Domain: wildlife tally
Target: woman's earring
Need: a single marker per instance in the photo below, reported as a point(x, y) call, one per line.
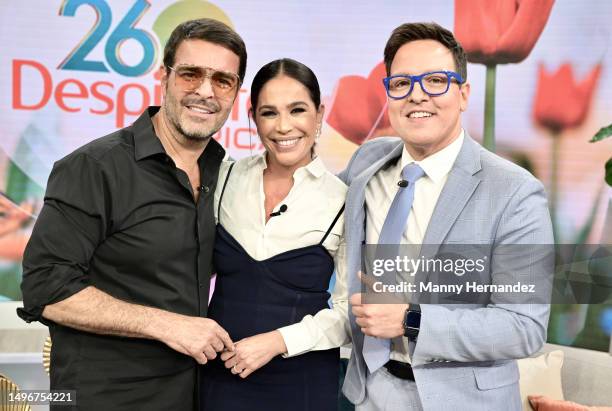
point(318, 133)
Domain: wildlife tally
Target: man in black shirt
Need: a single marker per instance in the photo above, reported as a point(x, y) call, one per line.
point(119, 260)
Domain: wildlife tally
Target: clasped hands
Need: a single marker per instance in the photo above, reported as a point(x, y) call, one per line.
point(252, 353)
point(204, 338)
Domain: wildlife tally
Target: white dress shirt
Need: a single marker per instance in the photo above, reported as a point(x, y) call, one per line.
point(312, 204)
point(381, 190)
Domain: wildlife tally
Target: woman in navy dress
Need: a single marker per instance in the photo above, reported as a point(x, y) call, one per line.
point(279, 236)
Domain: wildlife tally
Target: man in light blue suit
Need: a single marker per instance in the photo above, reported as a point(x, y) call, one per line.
point(437, 186)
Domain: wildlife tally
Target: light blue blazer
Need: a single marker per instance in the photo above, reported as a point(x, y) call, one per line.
point(465, 355)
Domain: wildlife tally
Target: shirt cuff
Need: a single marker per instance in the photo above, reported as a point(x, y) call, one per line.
point(30, 315)
point(296, 339)
point(43, 287)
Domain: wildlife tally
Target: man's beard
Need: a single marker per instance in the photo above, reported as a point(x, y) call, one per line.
point(193, 136)
point(172, 114)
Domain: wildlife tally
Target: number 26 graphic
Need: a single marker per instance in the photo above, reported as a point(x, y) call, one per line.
point(125, 30)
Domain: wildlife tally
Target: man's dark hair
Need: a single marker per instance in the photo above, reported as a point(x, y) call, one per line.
point(425, 31)
point(209, 30)
point(290, 68)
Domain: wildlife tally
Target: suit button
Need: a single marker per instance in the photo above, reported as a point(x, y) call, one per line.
point(206, 189)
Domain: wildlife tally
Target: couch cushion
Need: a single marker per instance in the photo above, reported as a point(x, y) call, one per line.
point(585, 375)
point(541, 375)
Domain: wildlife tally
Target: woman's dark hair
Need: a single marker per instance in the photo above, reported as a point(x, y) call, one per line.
point(289, 68)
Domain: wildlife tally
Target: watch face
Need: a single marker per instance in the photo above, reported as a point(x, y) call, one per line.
point(413, 319)
point(412, 323)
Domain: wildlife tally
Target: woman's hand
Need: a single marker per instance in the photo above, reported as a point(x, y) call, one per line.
point(254, 352)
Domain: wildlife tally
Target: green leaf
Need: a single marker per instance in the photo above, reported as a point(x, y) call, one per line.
point(609, 172)
point(604, 132)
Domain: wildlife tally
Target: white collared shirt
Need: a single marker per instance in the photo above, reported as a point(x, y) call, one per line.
point(312, 204)
point(381, 190)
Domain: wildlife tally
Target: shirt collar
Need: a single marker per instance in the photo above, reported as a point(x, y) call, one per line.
point(439, 164)
point(146, 143)
point(259, 161)
point(316, 168)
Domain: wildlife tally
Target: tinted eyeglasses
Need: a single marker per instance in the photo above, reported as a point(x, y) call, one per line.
point(190, 78)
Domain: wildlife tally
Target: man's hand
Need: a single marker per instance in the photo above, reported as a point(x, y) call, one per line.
point(377, 320)
point(200, 338)
point(254, 352)
point(93, 310)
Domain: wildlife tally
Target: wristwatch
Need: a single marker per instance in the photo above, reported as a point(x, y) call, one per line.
point(412, 321)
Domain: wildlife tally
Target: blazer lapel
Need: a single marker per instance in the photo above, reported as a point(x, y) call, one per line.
point(355, 206)
point(356, 193)
point(355, 234)
point(457, 191)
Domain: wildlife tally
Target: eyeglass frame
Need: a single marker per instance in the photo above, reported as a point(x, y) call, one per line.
point(206, 75)
point(417, 79)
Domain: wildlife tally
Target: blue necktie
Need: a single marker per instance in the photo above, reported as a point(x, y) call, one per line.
point(376, 350)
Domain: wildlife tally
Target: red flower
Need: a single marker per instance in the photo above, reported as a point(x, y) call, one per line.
point(358, 111)
point(500, 31)
point(560, 101)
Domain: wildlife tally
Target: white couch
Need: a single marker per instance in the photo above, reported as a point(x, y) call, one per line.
point(586, 375)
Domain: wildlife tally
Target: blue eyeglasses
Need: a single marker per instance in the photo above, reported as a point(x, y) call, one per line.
point(434, 83)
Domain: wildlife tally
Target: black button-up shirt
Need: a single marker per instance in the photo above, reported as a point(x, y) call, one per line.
point(118, 215)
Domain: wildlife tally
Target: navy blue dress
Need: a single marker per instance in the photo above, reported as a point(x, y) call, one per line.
point(253, 297)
